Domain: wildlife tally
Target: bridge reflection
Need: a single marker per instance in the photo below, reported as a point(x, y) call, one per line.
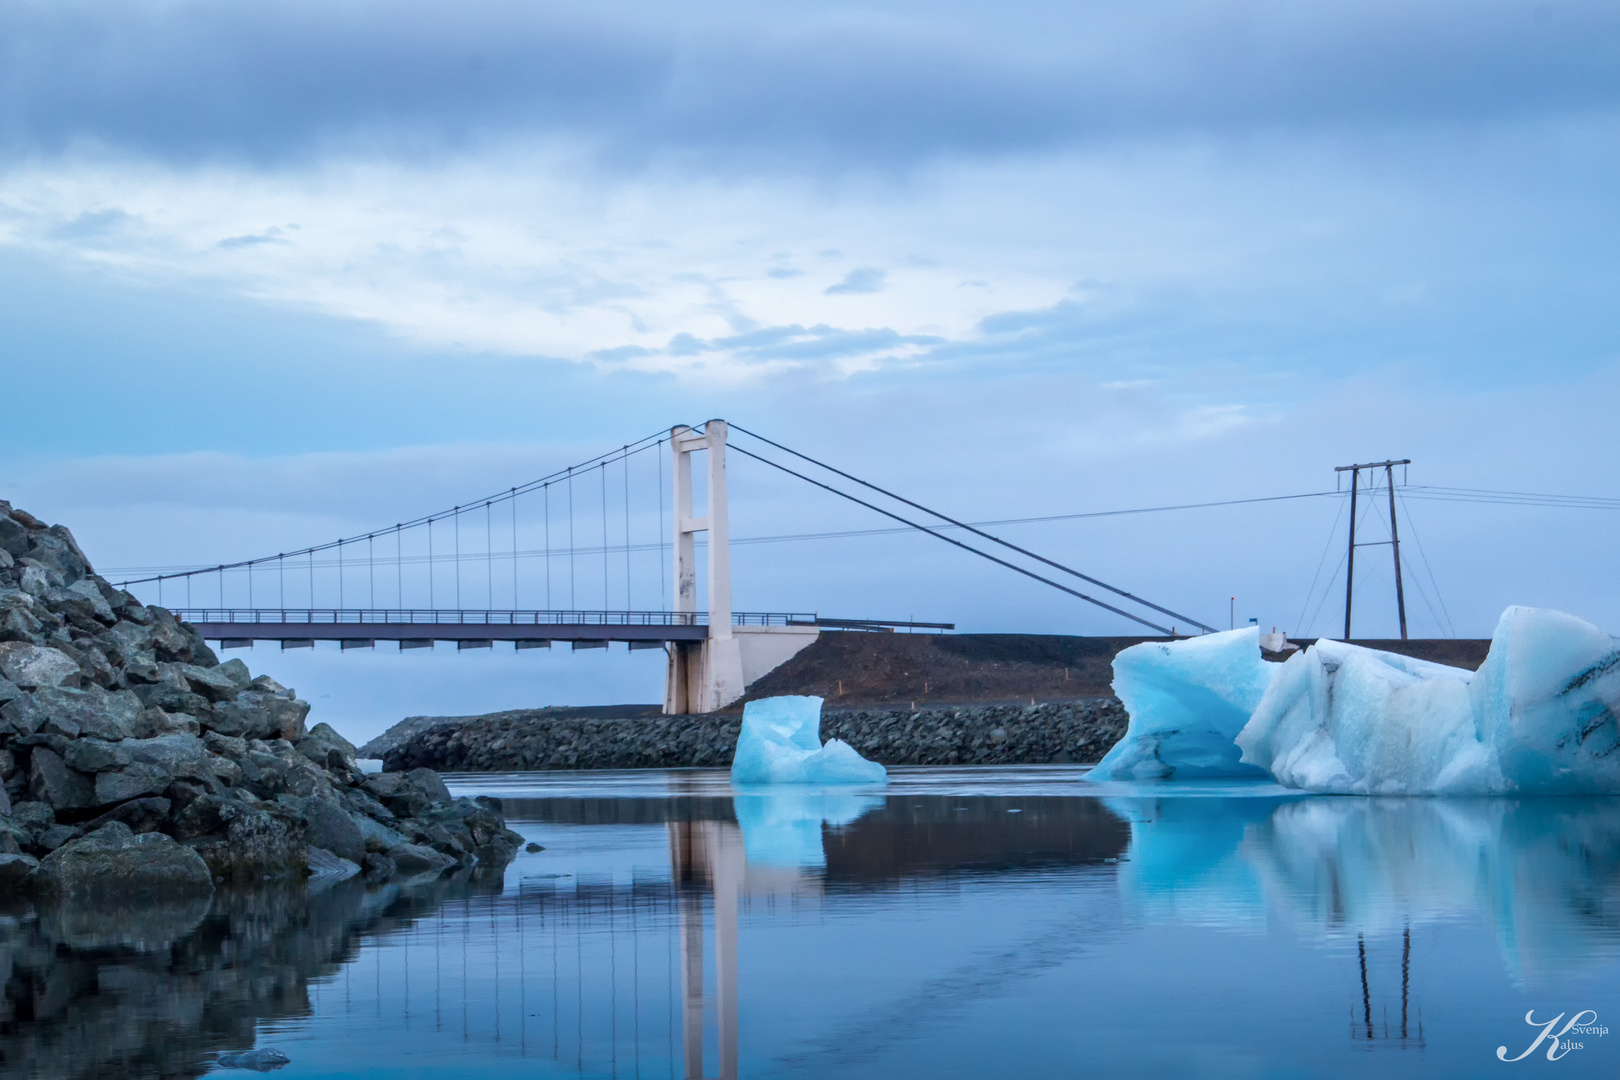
point(653, 930)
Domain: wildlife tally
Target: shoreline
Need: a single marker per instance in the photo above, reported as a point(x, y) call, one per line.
point(1071, 732)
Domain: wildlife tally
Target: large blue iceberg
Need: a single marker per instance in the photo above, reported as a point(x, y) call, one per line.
point(1537, 718)
point(780, 743)
point(1187, 700)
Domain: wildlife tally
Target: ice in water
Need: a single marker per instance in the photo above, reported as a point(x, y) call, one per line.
point(1187, 700)
point(1343, 718)
point(780, 743)
point(1537, 718)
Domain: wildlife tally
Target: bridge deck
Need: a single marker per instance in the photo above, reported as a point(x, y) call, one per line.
point(351, 624)
point(356, 625)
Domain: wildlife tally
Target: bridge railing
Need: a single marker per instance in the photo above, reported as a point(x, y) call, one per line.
point(443, 617)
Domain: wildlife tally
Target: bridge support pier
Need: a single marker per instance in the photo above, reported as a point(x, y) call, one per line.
point(707, 675)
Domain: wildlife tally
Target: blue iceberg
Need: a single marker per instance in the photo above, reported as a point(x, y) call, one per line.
point(1187, 700)
point(1539, 717)
point(780, 743)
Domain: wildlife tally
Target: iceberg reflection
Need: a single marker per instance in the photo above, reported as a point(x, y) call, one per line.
point(783, 828)
point(1543, 873)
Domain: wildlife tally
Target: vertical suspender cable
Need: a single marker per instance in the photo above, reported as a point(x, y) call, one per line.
point(312, 579)
point(431, 605)
point(250, 583)
point(489, 559)
point(371, 571)
point(605, 604)
point(625, 461)
point(572, 605)
point(514, 551)
point(457, 518)
point(281, 579)
point(663, 584)
point(399, 569)
point(340, 575)
point(546, 491)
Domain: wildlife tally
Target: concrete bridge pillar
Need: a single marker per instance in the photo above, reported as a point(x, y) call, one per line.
point(707, 675)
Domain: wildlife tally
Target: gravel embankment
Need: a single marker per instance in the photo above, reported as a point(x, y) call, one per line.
point(1073, 731)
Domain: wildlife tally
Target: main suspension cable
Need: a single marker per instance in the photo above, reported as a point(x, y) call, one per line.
point(978, 532)
point(951, 540)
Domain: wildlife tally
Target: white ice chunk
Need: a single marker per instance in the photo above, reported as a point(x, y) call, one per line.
point(780, 743)
point(1343, 718)
point(1186, 700)
point(1538, 717)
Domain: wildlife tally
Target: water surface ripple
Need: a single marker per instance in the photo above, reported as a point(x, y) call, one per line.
point(960, 922)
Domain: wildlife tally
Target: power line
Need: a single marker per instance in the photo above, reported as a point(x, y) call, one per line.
point(177, 570)
point(1512, 498)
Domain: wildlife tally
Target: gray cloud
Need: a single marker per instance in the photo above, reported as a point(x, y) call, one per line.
point(737, 87)
point(863, 279)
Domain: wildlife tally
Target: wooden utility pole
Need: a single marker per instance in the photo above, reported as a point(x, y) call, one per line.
point(1394, 539)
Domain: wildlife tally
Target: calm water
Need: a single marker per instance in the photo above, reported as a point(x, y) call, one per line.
point(962, 922)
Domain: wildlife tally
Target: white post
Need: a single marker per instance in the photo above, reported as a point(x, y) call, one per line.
point(719, 535)
point(680, 439)
point(709, 677)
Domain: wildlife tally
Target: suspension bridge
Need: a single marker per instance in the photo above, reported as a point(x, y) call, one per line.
point(605, 552)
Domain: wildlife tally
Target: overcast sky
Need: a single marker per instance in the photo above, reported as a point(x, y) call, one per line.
point(275, 272)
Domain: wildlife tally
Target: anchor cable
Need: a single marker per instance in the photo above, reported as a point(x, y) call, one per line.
point(979, 532)
point(951, 540)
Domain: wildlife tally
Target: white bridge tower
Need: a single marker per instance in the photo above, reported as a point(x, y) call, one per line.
point(711, 674)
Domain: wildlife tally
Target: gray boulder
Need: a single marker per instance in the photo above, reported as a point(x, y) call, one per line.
point(95, 755)
point(13, 536)
point(34, 666)
point(131, 782)
point(331, 827)
point(326, 748)
point(176, 753)
point(171, 693)
point(141, 815)
point(258, 842)
point(114, 861)
point(72, 713)
point(50, 781)
point(14, 871)
point(212, 683)
point(408, 794)
point(9, 691)
point(255, 714)
point(413, 859)
point(237, 672)
point(56, 549)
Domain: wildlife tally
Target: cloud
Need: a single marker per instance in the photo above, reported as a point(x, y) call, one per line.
point(861, 280)
point(731, 87)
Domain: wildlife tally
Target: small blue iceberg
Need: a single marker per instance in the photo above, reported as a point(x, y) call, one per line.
point(781, 743)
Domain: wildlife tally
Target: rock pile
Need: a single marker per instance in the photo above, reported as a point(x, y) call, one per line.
point(134, 762)
point(1072, 731)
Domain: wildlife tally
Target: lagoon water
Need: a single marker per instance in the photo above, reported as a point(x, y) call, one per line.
point(1005, 922)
